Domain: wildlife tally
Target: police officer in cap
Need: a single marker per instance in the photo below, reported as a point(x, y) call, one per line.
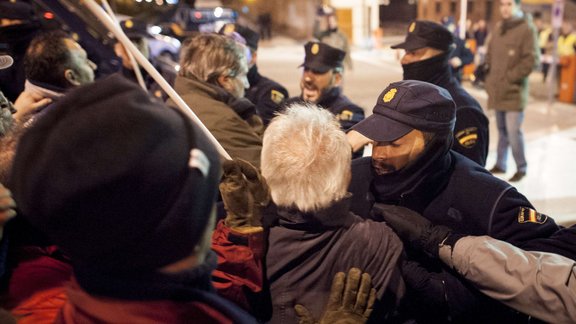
point(428, 46)
point(412, 166)
point(266, 94)
point(321, 83)
point(137, 32)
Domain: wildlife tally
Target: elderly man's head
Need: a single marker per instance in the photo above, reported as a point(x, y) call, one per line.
point(306, 158)
point(57, 60)
point(215, 59)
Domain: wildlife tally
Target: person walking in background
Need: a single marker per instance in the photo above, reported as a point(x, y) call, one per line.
point(512, 55)
point(326, 31)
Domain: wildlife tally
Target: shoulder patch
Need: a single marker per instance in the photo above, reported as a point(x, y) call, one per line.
point(276, 96)
point(529, 215)
point(345, 115)
point(467, 137)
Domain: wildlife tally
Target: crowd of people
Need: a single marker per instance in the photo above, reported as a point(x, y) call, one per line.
point(115, 207)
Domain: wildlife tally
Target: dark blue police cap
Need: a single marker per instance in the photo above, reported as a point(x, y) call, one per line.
point(134, 28)
point(407, 105)
point(423, 33)
point(321, 57)
point(250, 36)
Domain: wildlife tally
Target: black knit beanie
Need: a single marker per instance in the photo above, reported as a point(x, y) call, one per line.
point(120, 182)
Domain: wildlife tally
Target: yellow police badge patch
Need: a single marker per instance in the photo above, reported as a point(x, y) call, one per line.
point(129, 23)
point(345, 115)
point(276, 96)
point(315, 49)
point(412, 27)
point(529, 215)
point(467, 137)
point(390, 95)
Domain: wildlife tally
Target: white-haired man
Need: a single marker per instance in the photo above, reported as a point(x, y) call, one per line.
point(313, 234)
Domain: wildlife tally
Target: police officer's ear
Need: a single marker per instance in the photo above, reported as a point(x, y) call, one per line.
point(337, 77)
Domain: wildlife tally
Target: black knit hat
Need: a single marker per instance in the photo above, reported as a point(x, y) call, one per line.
point(118, 181)
point(407, 105)
point(423, 33)
point(322, 57)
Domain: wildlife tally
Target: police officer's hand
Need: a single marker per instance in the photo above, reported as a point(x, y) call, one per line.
point(351, 300)
point(412, 228)
point(245, 194)
point(427, 290)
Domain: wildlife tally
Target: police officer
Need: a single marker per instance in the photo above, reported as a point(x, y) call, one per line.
point(266, 94)
point(137, 32)
point(428, 46)
point(412, 166)
point(321, 83)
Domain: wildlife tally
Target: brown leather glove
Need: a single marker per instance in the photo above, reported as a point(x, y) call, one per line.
point(351, 300)
point(245, 194)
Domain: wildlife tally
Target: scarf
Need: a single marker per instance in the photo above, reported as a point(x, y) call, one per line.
point(427, 70)
point(415, 185)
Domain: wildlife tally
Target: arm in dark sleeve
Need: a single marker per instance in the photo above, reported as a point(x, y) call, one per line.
point(528, 59)
point(350, 116)
point(271, 102)
point(471, 136)
point(515, 220)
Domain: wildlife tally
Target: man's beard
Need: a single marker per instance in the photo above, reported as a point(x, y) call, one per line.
point(381, 167)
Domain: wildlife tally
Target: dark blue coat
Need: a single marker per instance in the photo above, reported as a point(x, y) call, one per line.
point(348, 113)
point(267, 95)
point(471, 201)
point(471, 136)
point(306, 250)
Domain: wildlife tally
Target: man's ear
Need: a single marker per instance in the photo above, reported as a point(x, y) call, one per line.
point(337, 79)
point(71, 77)
point(224, 81)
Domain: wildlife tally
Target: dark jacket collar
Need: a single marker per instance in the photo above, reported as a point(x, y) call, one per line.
point(254, 76)
point(335, 216)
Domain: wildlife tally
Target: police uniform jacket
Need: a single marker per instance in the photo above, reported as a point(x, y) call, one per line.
point(512, 55)
point(306, 250)
point(266, 94)
point(348, 113)
point(469, 200)
point(471, 136)
point(239, 132)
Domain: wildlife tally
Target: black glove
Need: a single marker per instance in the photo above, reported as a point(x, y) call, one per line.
point(426, 293)
point(347, 304)
point(244, 192)
point(415, 230)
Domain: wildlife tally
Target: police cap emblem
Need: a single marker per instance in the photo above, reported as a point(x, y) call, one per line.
point(315, 49)
point(390, 95)
point(412, 27)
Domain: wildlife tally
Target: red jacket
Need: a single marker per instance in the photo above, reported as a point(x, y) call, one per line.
point(39, 289)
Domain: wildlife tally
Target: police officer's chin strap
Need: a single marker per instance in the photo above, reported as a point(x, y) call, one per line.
point(427, 70)
point(419, 180)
